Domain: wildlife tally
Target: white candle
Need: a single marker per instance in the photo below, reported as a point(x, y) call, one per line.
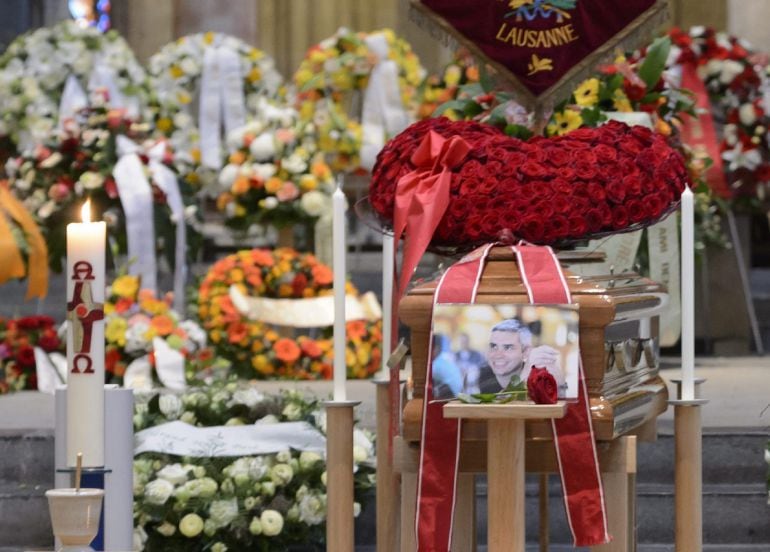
point(387, 299)
point(339, 253)
point(688, 297)
point(86, 243)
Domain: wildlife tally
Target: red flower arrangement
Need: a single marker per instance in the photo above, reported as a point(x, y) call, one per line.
point(546, 190)
point(18, 339)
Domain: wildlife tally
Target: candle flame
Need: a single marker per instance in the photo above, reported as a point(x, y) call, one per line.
point(85, 211)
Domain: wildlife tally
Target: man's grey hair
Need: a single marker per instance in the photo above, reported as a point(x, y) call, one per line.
point(515, 325)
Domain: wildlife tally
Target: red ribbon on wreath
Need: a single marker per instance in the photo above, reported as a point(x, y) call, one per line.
point(422, 198)
point(573, 434)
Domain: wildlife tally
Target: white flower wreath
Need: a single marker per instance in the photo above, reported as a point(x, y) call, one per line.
point(177, 74)
point(36, 66)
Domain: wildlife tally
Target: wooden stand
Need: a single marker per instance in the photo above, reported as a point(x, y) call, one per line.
point(339, 473)
point(505, 465)
point(688, 471)
point(388, 481)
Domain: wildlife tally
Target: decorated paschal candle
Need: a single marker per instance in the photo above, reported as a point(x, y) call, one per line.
point(86, 243)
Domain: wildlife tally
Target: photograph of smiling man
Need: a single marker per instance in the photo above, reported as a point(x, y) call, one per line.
point(508, 340)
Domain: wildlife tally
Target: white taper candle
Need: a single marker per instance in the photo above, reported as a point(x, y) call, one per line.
point(688, 296)
point(339, 254)
point(387, 299)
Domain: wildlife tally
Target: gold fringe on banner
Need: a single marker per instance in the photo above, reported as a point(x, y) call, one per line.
point(637, 34)
point(11, 260)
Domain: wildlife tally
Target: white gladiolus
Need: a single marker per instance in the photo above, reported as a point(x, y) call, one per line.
point(272, 523)
point(158, 491)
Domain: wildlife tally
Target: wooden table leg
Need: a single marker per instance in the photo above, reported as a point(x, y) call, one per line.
point(339, 469)
point(464, 526)
point(688, 482)
point(505, 482)
point(388, 485)
point(408, 511)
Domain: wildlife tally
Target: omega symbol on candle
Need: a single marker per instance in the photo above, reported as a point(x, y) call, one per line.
point(82, 312)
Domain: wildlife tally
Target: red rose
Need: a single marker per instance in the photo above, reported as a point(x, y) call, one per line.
point(298, 284)
point(49, 343)
point(619, 217)
point(616, 191)
point(25, 357)
point(532, 170)
point(541, 386)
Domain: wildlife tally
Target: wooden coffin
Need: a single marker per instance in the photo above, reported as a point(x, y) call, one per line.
point(618, 343)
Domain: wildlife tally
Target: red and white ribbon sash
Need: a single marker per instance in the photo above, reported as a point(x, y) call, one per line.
point(573, 435)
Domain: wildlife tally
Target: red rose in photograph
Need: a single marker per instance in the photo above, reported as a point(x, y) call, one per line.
point(541, 386)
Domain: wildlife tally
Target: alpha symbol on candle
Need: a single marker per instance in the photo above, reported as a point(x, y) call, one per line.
point(82, 312)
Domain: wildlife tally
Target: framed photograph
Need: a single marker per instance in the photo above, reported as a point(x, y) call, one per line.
point(480, 348)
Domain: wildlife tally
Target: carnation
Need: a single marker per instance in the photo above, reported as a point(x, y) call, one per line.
point(281, 474)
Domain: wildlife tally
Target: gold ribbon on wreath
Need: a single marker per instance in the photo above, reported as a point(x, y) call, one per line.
point(11, 260)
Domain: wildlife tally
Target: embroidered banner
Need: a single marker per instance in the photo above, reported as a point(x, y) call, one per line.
point(544, 47)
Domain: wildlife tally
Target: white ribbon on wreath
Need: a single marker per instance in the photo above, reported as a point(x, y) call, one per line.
point(136, 197)
point(383, 112)
point(222, 101)
point(103, 77)
point(169, 366)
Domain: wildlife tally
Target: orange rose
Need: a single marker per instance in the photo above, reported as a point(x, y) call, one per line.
point(356, 329)
point(162, 324)
point(286, 350)
point(310, 348)
point(322, 275)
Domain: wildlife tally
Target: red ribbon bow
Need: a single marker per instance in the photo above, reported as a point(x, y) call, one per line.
point(422, 197)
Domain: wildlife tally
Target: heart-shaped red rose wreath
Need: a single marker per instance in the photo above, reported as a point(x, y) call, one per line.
point(587, 183)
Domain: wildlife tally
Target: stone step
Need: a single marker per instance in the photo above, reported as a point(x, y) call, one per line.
point(24, 520)
point(729, 456)
point(732, 514)
point(28, 456)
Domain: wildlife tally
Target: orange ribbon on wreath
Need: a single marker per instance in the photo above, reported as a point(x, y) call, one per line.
point(11, 260)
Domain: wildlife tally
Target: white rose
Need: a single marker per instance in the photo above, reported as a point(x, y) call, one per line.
point(270, 202)
point(263, 171)
point(166, 529)
point(312, 509)
point(191, 525)
point(189, 65)
point(222, 512)
point(272, 523)
point(173, 473)
point(91, 180)
point(248, 397)
point(205, 487)
point(255, 527)
point(170, 406)
point(269, 419)
point(315, 203)
point(281, 474)
point(227, 176)
point(51, 161)
point(267, 488)
point(262, 148)
point(359, 454)
point(158, 491)
point(294, 164)
point(140, 537)
point(219, 547)
point(46, 210)
point(747, 114)
point(309, 459)
point(283, 457)
point(730, 70)
point(292, 411)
